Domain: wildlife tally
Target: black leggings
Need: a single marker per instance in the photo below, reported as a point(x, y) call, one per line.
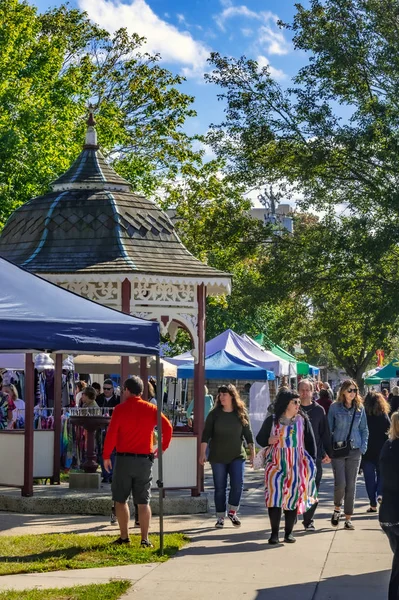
point(275, 518)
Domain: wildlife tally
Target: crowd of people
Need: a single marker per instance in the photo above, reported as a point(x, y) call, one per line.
point(301, 432)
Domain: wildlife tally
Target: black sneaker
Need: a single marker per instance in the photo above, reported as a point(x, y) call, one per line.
point(309, 526)
point(234, 519)
point(349, 525)
point(120, 541)
point(273, 540)
point(146, 544)
point(289, 539)
point(219, 523)
point(335, 518)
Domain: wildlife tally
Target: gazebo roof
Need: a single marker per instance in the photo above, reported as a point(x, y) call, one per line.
point(91, 223)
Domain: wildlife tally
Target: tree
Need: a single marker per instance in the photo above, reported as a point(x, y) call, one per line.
point(346, 302)
point(51, 66)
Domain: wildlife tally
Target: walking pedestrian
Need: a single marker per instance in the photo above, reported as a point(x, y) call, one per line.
point(131, 433)
point(107, 401)
point(327, 386)
point(348, 425)
point(325, 400)
point(290, 469)
point(389, 509)
point(394, 399)
point(377, 411)
point(226, 426)
point(322, 435)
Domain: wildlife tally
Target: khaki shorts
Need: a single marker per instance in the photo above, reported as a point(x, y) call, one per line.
point(132, 474)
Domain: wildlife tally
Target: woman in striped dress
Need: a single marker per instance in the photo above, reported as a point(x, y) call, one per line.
point(289, 464)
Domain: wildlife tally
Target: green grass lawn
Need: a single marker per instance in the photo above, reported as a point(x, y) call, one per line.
point(105, 591)
point(56, 552)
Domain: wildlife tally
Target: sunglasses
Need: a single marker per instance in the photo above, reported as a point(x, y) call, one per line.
point(352, 391)
point(298, 402)
point(107, 389)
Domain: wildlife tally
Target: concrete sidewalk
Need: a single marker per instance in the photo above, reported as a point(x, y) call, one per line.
point(237, 563)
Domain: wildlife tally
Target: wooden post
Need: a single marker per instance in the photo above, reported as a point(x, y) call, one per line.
point(199, 384)
point(57, 418)
point(126, 297)
point(144, 375)
point(27, 489)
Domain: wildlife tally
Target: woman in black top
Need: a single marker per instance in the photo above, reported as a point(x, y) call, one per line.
point(389, 510)
point(377, 410)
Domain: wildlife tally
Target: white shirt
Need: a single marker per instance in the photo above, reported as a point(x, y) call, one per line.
point(19, 410)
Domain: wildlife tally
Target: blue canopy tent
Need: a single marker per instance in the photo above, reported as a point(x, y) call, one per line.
point(36, 315)
point(223, 365)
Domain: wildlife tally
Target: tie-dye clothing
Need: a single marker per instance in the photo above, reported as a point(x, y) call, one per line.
point(289, 470)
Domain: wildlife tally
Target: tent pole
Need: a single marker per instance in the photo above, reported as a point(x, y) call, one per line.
point(27, 489)
point(199, 384)
point(57, 418)
point(144, 375)
point(159, 371)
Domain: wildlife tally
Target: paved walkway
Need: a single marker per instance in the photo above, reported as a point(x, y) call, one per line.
point(238, 563)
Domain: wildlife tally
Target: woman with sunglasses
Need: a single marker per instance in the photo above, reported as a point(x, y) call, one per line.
point(290, 471)
point(226, 426)
point(349, 430)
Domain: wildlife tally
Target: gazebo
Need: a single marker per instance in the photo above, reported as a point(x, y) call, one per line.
point(92, 235)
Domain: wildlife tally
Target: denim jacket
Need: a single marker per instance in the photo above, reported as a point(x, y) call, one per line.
point(339, 420)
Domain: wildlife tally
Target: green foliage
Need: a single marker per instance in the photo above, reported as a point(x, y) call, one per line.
point(51, 66)
point(55, 552)
point(103, 591)
point(331, 139)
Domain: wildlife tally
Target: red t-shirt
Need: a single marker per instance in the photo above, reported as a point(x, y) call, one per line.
point(132, 426)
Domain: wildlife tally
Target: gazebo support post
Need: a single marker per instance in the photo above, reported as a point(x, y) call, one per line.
point(144, 375)
point(57, 418)
point(126, 297)
point(27, 489)
point(199, 384)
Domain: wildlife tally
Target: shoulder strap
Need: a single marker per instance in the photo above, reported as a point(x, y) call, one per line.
point(350, 429)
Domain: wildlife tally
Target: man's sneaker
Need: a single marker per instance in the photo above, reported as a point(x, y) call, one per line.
point(309, 526)
point(335, 518)
point(349, 525)
point(289, 539)
point(146, 544)
point(234, 519)
point(120, 541)
point(113, 518)
point(219, 523)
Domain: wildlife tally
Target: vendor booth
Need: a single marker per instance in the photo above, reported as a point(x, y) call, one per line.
point(38, 316)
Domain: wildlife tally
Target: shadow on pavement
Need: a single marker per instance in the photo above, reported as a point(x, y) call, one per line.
point(368, 586)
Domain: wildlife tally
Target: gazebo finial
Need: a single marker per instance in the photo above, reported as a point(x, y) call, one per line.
point(91, 134)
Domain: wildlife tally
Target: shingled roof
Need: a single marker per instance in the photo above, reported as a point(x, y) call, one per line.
point(91, 222)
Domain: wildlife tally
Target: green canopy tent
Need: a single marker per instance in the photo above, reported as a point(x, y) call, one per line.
point(390, 371)
point(303, 368)
point(374, 380)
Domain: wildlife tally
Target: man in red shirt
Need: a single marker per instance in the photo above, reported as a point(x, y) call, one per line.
point(131, 432)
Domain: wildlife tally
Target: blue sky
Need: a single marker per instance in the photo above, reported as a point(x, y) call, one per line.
point(185, 31)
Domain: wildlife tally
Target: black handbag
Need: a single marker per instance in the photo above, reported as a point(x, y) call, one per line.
point(341, 449)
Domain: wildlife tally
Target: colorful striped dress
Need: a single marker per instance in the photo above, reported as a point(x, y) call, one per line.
point(289, 470)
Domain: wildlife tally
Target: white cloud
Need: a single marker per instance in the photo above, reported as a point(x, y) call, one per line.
point(270, 36)
point(174, 46)
point(277, 74)
point(246, 31)
point(273, 40)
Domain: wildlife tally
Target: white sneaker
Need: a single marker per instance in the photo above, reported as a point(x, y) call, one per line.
point(219, 523)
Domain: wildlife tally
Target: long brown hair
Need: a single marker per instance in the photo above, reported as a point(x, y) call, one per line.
point(238, 405)
point(346, 385)
point(376, 405)
point(393, 433)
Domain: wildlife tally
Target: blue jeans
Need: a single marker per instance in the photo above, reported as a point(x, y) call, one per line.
point(372, 479)
point(220, 471)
